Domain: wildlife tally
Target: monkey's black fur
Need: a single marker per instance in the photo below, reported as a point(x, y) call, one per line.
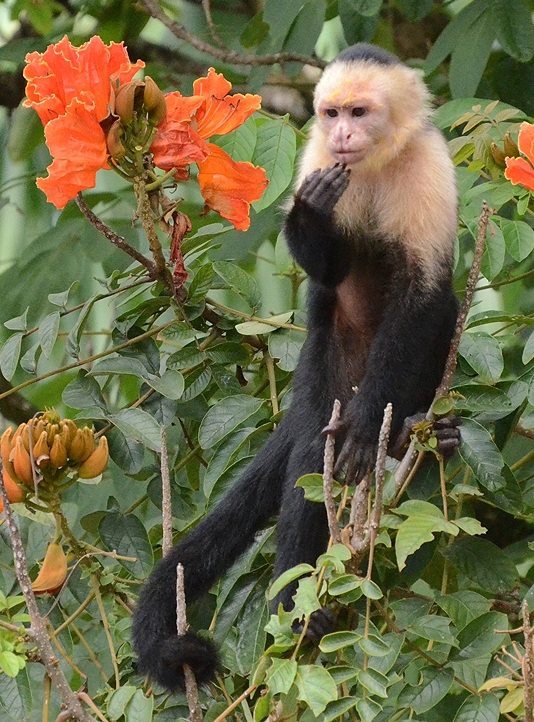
point(390, 339)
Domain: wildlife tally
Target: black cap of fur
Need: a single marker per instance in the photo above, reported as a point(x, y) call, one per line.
point(165, 666)
point(365, 51)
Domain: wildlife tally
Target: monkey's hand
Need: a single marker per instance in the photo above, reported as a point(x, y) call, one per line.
point(320, 623)
point(322, 189)
point(447, 435)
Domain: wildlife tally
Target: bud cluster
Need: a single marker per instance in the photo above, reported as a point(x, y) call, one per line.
point(138, 108)
point(56, 444)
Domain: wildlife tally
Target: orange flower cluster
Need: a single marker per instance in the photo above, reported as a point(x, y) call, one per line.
point(74, 90)
point(56, 444)
point(71, 89)
point(518, 171)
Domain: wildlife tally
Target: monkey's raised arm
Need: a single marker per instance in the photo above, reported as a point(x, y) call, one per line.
point(323, 252)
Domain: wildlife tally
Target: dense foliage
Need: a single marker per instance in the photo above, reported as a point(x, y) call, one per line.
point(433, 629)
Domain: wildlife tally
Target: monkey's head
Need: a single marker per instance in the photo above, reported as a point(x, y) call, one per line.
point(368, 106)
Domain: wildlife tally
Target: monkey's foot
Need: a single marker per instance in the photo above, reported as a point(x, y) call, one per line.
point(322, 189)
point(448, 435)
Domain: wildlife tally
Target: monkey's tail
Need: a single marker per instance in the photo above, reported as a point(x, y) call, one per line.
point(206, 553)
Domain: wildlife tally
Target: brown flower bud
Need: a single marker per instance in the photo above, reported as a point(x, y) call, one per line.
point(128, 98)
point(21, 462)
point(58, 453)
point(37, 429)
point(89, 441)
point(77, 447)
point(41, 452)
point(15, 493)
point(97, 462)
point(113, 140)
point(498, 155)
point(72, 428)
point(52, 430)
point(6, 445)
point(510, 147)
point(53, 572)
point(154, 102)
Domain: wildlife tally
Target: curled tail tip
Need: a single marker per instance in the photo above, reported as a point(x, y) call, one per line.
point(164, 663)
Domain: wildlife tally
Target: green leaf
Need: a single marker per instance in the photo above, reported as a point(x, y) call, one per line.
point(519, 238)
point(139, 708)
point(119, 699)
point(9, 355)
point(479, 452)
point(136, 424)
point(368, 709)
point(338, 640)
point(240, 143)
point(60, 299)
point(19, 323)
point(315, 686)
point(120, 366)
point(462, 607)
point(494, 252)
point(416, 10)
point(195, 383)
point(435, 628)
point(483, 353)
point(478, 638)
point(82, 392)
point(281, 675)
point(470, 526)
point(285, 345)
point(470, 56)
point(229, 352)
point(374, 682)
point(72, 344)
point(9, 663)
point(252, 634)
point(343, 584)
point(128, 454)
point(16, 696)
point(367, 7)
point(513, 28)
point(305, 598)
point(482, 562)
point(239, 281)
point(48, 330)
point(224, 417)
point(126, 535)
point(374, 646)
point(287, 577)
point(201, 283)
point(275, 152)
point(313, 486)
point(415, 531)
point(528, 351)
point(170, 384)
point(434, 686)
point(479, 708)
point(371, 590)
point(257, 327)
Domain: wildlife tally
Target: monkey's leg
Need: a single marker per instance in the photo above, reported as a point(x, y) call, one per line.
point(206, 553)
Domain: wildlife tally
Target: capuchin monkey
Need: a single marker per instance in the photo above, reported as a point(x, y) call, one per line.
point(373, 223)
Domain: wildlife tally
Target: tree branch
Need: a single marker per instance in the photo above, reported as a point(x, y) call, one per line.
point(328, 474)
point(227, 56)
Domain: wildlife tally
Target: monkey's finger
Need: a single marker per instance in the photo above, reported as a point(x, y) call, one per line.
point(447, 422)
point(320, 623)
point(333, 428)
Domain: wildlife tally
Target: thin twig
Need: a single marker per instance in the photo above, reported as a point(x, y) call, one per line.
point(450, 366)
point(227, 56)
point(191, 689)
point(269, 363)
point(107, 629)
point(37, 630)
point(528, 664)
point(236, 702)
point(328, 474)
point(380, 476)
point(211, 25)
point(166, 503)
point(114, 238)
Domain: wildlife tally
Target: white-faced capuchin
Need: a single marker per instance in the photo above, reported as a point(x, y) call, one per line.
point(373, 223)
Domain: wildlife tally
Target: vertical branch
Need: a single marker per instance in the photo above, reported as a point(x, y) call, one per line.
point(191, 689)
point(380, 476)
point(328, 474)
point(528, 664)
point(450, 366)
point(166, 503)
point(358, 514)
point(269, 363)
point(37, 630)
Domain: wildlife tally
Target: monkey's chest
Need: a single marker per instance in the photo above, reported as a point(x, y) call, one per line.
point(361, 300)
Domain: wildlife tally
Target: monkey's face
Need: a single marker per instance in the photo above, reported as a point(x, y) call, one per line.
point(353, 128)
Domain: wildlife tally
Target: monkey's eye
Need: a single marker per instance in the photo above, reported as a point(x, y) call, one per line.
point(358, 112)
point(332, 113)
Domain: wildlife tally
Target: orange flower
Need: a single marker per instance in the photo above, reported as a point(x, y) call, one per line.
point(71, 90)
point(229, 187)
point(64, 72)
point(220, 114)
point(518, 171)
point(176, 143)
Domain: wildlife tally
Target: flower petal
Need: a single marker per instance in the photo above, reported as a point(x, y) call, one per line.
point(78, 145)
point(53, 572)
point(519, 172)
point(176, 143)
point(526, 140)
point(220, 114)
point(229, 187)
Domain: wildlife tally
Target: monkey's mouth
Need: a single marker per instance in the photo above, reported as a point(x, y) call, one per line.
point(348, 156)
